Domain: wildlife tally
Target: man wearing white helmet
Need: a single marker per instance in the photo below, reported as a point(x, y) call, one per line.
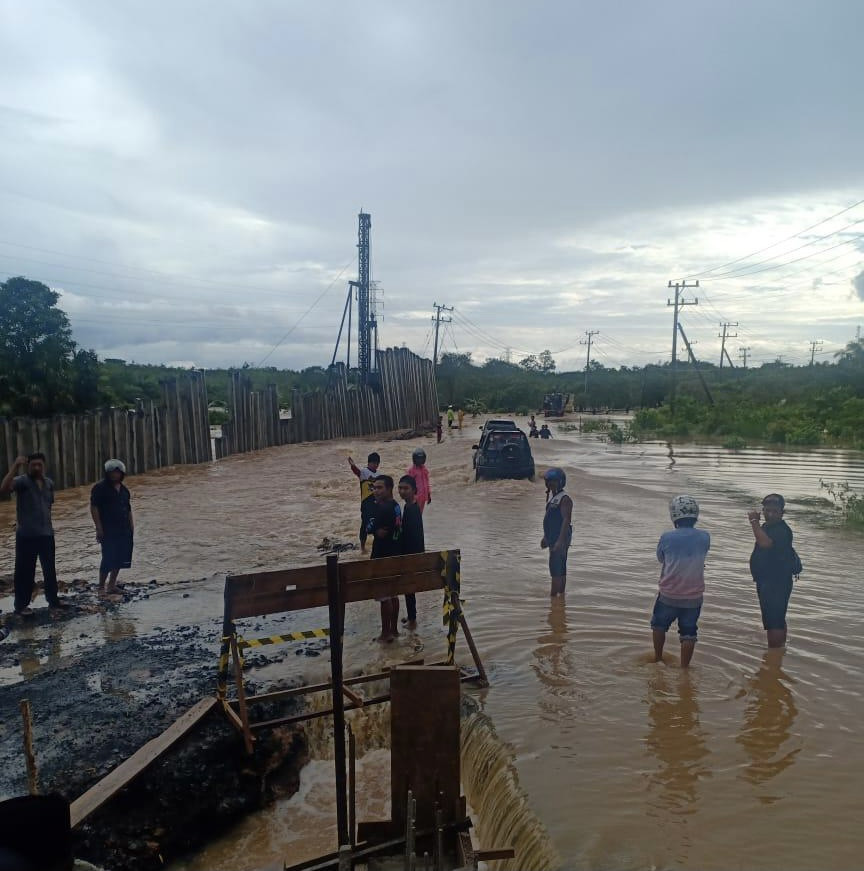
point(111, 510)
point(681, 553)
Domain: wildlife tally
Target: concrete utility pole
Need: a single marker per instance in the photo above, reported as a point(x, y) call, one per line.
point(726, 335)
point(814, 344)
point(695, 363)
point(679, 287)
point(438, 320)
point(590, 334)
point(742, 352)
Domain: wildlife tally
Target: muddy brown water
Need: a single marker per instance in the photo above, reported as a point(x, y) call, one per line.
point(748, 761)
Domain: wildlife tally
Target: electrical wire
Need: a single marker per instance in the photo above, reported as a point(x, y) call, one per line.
point(775, 244)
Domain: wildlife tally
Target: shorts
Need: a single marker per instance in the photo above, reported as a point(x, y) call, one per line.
point(116, 551)
point(773, 602)
point(558, 563)
point(665, 615)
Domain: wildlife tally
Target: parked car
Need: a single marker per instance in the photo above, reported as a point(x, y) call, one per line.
point(503, 453)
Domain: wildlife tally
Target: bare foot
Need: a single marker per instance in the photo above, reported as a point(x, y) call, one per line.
point(410, 624)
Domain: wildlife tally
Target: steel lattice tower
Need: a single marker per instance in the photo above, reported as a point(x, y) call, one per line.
point(365, 317)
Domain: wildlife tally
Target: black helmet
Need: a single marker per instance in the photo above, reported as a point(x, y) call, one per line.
point(419, 456)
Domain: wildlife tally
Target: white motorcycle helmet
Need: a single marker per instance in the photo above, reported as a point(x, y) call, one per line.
point(683, 506)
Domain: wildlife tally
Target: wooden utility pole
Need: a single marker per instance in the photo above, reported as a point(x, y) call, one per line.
point(696, 365)
point(590, 334)
point(438, 320)
point(679, 287)
point(814, 344)
point(725, 334)
point(742, 353)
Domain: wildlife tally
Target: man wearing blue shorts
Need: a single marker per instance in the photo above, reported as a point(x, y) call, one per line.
point(681, 553)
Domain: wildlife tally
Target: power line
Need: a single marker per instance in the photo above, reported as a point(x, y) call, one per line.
point(307, 312)
point(775, 244)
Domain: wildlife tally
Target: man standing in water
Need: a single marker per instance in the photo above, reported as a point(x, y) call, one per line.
point(557, 528)
point(450, 417)
point(111, 510)
point(367, 498)
point(412, 537)
point(34, 534)
point(772, 565)
point(681, 553)
point(385, 528)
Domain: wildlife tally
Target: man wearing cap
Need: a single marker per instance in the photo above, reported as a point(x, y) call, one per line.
point(111, 510)
point(34, 533)
point(557, 528)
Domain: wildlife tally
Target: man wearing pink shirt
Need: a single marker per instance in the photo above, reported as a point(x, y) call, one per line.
point(420, 474)
point(681, 553)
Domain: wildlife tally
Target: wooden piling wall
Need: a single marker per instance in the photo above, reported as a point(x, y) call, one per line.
point(150, 436)
point(401, 395)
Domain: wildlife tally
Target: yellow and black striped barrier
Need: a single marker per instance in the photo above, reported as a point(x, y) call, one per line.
point(243, 643)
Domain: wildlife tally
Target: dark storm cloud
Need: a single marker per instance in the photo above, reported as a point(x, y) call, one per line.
point(522, 161)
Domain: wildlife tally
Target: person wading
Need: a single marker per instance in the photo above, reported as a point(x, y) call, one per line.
point(367, 497)
point(412, 537)
point(111, 510)
point(420, 473)
point(34, 533)
point(385, 528)
point(557, 528)
point(772, 565)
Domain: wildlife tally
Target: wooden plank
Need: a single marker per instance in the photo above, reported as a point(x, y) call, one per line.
point(361, 570)
point(491, 855)
point(276, 582)
point(128, 770)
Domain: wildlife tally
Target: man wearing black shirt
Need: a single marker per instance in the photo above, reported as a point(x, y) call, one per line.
point(412, 537)
point(385, 527)
point(111, 510)
point(772, 566)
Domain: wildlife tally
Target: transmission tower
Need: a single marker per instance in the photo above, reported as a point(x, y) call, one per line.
point(438, 320)
point(679, 287)
point(590, 334)
point(366, 323)
point(725, 334)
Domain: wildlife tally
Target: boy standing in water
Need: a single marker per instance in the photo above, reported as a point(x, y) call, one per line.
point(772, 564)
point(557, 528)
point(681, 553)
point(385, 527)
point(367, 498)
point(420, 474)
point(412, 537)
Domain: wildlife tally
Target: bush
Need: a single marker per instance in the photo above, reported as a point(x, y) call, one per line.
point(735, 443)
point(850, 503)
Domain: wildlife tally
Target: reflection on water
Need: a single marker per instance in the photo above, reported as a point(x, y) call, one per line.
point(766, 733)
point(676, 739)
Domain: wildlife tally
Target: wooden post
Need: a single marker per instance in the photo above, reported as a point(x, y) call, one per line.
point(29, 755)
point(334, 597)
point(352, 786)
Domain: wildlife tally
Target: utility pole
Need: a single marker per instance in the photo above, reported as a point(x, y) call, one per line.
point(438, 320)
point(590, 334)
point(814, 344)
point(742, 352)
point(695, 363)
point(679, 287)
point(726, 335)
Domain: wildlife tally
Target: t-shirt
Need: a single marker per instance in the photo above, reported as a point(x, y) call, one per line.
point(33, 506)
point(412, 529)
point(553, 519)
point(420, 474)
point(115, 506)
point(385, 515)
point(773, 564)
point(682, 553)
point(366, 476)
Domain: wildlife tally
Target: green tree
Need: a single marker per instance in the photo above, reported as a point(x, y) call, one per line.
point(530, 363)
point(36, 349)
point(545, 361)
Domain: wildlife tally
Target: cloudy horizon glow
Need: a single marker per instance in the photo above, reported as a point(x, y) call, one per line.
point(188, 176)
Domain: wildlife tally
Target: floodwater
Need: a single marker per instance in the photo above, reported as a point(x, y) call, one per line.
point(749, 760)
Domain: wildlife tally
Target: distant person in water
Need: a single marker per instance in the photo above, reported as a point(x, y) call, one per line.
point(412, 537)
point(439, 428)
point(681, 553)
point(545, 432)
point(557, 528)
point(420, 473)
point(385, 527)
point(111, 510)
point(772, 565)
point(367, 497)
point(460, 415)
point(533, 432)
point(450, 417)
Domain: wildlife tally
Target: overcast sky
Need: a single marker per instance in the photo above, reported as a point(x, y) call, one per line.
point(188, 174)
